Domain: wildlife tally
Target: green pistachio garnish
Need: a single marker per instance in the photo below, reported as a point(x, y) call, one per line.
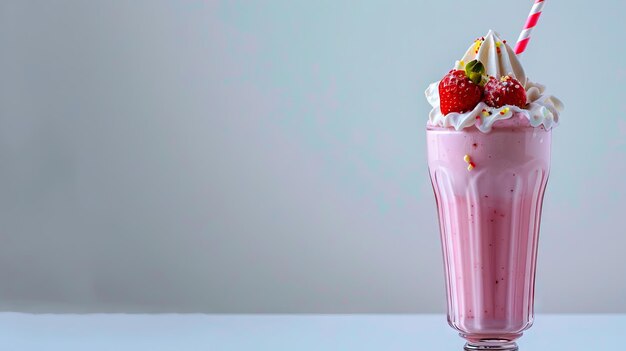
point(475, 71)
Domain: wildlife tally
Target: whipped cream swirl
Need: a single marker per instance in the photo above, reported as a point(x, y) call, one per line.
point(499, 60)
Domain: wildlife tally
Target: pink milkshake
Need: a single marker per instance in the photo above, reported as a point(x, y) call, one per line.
point(489, 165)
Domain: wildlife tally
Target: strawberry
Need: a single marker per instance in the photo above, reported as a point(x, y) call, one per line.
point(459, 91)
point(506, 91)
point(489, 90)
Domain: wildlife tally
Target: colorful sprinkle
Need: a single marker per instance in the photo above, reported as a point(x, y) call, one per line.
point(477, 44)
point(470, 164)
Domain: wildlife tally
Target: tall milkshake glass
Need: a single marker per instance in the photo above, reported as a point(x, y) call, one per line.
point(488, 136)
point(489, 215)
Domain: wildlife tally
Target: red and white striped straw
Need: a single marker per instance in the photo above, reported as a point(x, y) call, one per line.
point(531, 22)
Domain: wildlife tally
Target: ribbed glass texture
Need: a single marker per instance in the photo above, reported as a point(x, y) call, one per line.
point(489, 222)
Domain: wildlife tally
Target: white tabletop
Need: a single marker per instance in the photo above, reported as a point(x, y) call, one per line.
point(97, 332)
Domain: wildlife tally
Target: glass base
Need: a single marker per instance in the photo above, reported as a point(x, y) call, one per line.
point(491, 345)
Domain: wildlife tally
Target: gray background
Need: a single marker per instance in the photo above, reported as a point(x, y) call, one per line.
point(269, 156)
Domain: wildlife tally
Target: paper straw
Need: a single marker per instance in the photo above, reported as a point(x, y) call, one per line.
point(531, 22)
